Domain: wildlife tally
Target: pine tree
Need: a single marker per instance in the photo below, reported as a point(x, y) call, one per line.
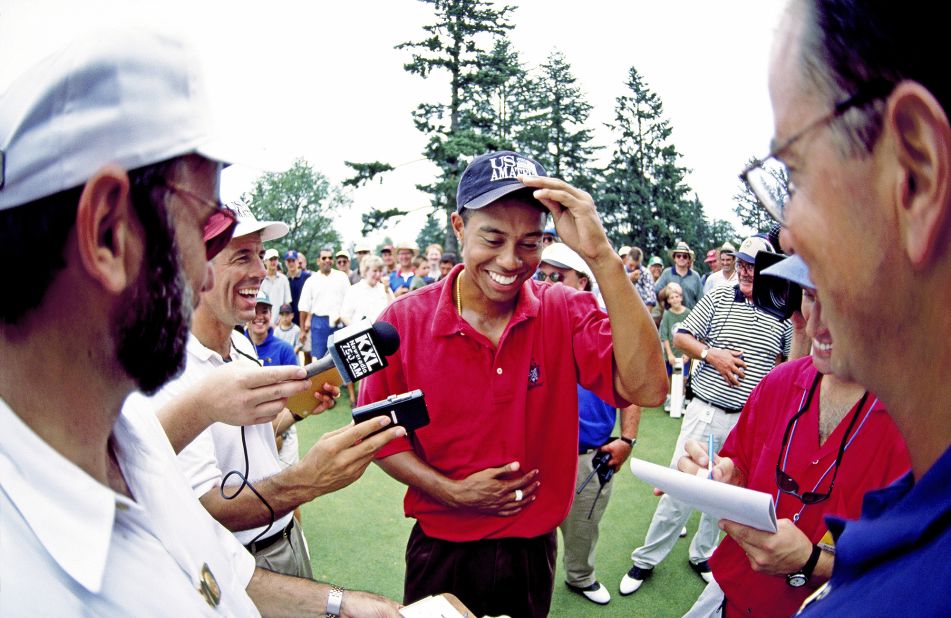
point(554, 123)
point(456, 45)
point(642, 195)
point(751, 213)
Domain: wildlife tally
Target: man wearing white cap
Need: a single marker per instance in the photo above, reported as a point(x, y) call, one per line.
point(738, 343)
point(262, 517)
point(106, 163)
point(560, 264)
point(275, 284)
point(726, 275)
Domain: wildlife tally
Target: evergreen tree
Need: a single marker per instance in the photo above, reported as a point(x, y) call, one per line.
point(305, 200)
point(751, 213)
point(554, 123)
point(473, 118)
point(642, 194)
point(432, 232)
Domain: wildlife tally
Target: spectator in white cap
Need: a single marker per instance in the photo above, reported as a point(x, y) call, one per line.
point(596, 423)
point(108, 164)
point(738, 343)
point(726, 275)
point(275, 283)
point(261, 519)
point(342, 259)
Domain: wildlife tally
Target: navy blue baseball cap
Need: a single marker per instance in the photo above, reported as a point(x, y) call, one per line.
point(492, 176)
point(290, 255)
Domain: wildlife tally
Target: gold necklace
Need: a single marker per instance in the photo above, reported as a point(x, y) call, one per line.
point(459, 291)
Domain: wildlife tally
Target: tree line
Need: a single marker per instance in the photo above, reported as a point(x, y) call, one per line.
point(493, 102)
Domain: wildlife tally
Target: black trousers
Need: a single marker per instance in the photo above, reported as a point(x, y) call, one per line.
point(511, 576)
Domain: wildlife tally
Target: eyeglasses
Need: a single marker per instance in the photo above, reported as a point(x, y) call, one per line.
point(744, 266)
point(681, 255)
point(788, 484)
point(547, 240)
point(325, 258)
point(554, 277)
point(220, 225)
point(762, 182)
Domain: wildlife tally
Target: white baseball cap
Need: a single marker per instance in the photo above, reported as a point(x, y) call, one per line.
point(249, 224)
point(130, 97)
point(560, 255)
point(750, 247)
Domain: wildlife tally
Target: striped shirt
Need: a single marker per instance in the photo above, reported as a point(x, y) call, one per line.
point(725, 319)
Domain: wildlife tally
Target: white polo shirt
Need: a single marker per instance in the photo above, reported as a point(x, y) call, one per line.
point(217, 450)
point(70, 546)
point(278, 290)
point(323, 294)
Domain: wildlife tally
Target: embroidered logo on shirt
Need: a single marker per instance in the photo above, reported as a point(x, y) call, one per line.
point(534, 374)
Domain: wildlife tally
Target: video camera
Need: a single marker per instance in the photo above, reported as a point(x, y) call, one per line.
point(778, 297)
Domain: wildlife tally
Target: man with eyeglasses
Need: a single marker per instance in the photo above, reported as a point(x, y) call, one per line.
point(107, 162)
point(681, 272)
point(321, 300)
point(343, 265)
point(738, 345)
point(580, 530)
point(860, 96)
point(816, 443)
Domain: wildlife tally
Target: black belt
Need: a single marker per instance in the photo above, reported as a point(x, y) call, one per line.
point(271, 540)
point(715, 405)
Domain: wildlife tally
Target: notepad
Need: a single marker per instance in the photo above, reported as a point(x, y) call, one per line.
point(721, 500)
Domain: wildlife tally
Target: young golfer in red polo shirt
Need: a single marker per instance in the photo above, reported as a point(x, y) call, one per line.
point(498, 356)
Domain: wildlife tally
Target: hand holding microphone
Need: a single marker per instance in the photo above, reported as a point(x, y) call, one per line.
point(353, 353)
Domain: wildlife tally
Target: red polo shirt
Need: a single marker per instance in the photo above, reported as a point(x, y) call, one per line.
point(876, 457)
point(491, 406)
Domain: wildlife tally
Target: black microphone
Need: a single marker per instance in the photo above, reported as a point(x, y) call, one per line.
point(353, 353)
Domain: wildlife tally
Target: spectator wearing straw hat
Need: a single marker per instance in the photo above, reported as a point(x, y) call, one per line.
point(402, 276)
point(681, 273)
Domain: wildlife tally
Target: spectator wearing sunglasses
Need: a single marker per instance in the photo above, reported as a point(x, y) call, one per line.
point(580, 530)
point(682, 273)
point(816, 443)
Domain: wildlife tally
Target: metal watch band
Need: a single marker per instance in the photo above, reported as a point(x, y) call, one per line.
point(334, 601)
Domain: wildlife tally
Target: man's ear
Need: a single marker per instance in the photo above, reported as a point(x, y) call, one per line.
point(107, 231)
point(922, 137)
point(455, 219)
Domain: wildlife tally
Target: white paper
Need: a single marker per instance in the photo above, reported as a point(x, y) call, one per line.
point(431, 607)
point(720, 500)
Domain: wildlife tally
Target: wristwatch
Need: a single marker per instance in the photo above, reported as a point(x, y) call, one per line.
point(800, 577)
point(334, 601)
point(703, 353)
point(630, 441)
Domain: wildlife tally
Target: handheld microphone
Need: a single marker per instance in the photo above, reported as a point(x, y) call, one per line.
point(353, 353)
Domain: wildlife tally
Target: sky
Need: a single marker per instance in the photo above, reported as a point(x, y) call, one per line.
point(322, 80)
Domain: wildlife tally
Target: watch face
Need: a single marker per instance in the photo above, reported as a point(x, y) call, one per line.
point(796, 580)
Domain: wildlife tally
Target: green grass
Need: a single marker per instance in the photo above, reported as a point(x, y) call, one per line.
point(357, 535)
